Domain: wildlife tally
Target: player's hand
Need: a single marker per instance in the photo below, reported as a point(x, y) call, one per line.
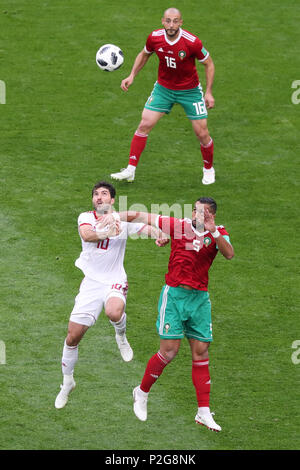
point(209, 100)
point(105, 219)
point(209, 221)
point(125, 84)
point(114, 229)
point(162, 241)
point(106, 229)
point(199, 217)
point(101, 228)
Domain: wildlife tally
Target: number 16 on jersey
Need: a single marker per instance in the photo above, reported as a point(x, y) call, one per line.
point(171, 62)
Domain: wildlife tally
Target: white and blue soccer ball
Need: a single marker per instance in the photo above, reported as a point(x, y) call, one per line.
point(109, 57)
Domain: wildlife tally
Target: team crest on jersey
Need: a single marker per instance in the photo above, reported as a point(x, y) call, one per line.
point(206, 241)
point(181, 54)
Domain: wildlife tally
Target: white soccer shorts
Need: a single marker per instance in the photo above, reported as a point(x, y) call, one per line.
point(91, 299)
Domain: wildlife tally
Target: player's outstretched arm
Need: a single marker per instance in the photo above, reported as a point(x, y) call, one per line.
point(139, 63)
point(131, 216)
point(161, 239)
point(140, 217)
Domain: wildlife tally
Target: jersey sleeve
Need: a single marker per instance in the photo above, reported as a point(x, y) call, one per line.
point(224, 233)
point(133, 228)
point(169, 225)
point(201, 53)
point(84, 219)
point(149, 46)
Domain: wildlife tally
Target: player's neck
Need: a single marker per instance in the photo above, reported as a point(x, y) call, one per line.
point(174, 37)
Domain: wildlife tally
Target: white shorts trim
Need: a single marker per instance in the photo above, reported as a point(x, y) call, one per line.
point(162, 311)
point(117, 294)
point(86, 319)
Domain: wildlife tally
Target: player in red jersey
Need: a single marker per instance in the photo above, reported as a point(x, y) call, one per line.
point(178, 82)
point(184, 308)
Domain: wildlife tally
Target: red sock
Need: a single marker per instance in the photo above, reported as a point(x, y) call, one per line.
point(208, 154)
point(138, 144)
point(201, 381)
point(154, 369)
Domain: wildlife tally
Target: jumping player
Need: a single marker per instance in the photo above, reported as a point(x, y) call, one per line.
point(184, 308)
point(178, 82)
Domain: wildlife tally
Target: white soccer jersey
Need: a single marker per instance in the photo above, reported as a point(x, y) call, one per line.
point(103, 261)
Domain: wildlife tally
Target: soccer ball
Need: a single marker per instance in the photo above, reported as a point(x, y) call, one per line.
point(109, 57)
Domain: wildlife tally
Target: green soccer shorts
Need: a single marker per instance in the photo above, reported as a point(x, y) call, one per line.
point(162, 100)
point(183, 312)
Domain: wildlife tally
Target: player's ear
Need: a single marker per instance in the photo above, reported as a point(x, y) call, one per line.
point(112, 201)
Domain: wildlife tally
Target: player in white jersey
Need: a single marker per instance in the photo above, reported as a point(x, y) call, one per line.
point(105, 283)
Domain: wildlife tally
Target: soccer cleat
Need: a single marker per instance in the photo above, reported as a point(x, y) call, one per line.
point(124, 347)
point(208, 176)
point(140, 403)
point(62, 397)
point(124, 174)
point(208, 421)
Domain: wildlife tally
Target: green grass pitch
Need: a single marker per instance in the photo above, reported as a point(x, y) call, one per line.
point(65, 124)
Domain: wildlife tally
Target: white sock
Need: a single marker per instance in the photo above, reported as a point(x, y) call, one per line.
point(204, 410)
point(131, 168)
point(142, 393)
point(68, 379)
point(120, 326)
point(69, 359)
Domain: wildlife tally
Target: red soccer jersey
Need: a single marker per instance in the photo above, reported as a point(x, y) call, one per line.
point(191, 256)
point(177, 69)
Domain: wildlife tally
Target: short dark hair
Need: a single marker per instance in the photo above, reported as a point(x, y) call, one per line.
point(104, 184)
point(210, 201)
